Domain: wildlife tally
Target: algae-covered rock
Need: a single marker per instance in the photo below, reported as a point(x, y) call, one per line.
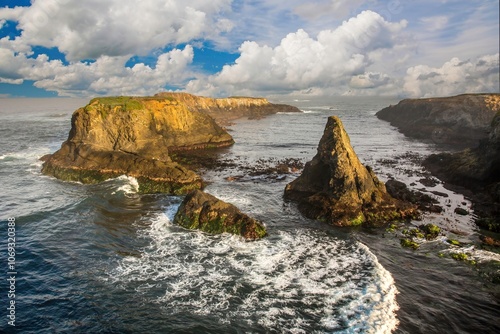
point(205, 212)
point(334, 186)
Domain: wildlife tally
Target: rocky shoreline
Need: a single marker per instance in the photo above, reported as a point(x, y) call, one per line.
point(471, 121)
point(455, 122)
point(166, 141)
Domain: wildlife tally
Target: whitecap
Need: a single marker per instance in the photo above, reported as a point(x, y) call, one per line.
point(278, 283)
point(129, 185)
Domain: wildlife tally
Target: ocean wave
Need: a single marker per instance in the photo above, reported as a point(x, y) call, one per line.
point(294, 281)
point(126, 185)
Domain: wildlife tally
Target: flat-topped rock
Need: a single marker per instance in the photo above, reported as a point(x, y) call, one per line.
point(336, 187)
point(207, 213)
point(458, 121)
point(113, 136)
point(225, 110)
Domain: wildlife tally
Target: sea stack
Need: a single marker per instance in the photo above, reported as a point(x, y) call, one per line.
point(335, 187)
point(207, 213)
point(113, 136)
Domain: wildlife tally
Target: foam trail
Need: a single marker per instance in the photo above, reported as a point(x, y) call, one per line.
point(280, 283)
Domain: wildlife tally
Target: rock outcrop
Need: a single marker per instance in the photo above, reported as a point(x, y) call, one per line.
point(133, 136)
point(337, 188)
point(476, 169)
point(205, 212)
point(458, 121)
point(225, 110)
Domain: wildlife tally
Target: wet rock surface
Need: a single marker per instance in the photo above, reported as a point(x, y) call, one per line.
point(205, 212)
point(335, 187)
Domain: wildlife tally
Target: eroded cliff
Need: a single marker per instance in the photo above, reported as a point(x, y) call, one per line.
point(460, 121)
point(133, 136)
point(224, 110)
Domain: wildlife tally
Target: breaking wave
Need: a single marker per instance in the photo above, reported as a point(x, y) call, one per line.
point(293, 281)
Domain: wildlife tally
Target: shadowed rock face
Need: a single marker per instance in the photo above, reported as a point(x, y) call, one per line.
point(133, 136)
point(458, 121)
point(337, 188)
point(205, 212)
point(477, 169)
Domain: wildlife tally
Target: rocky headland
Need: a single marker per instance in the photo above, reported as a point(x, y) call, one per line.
point(478, 171)
point(136, 136)
point(225, 110)
point(207, 213)
point(458, 122)
point(337, 188)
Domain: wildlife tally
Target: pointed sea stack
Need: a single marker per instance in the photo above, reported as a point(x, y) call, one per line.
point(207, 213)
point(337, 188)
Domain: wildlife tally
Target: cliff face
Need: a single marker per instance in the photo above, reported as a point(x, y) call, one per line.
point(477, 169)
point(133, 136)
point(460, 121)
point(336, 187)
point(224, 110)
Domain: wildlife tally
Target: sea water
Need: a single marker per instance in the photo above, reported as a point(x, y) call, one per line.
point(105, 259)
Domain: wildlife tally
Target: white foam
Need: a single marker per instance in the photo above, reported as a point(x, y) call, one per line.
point(279, 283)
point(130, 186)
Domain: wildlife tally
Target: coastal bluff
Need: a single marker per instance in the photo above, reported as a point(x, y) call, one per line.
point(337, 188)
point(225, 110)
point(458, 121)
point(134, 136)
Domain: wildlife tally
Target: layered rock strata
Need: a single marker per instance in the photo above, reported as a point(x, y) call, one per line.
point(458, 121)
point(225, 110)
point(133, 136)
point(335, 187)
point(207, 213)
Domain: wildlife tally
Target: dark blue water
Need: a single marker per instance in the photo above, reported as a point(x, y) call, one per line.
point(104, 259)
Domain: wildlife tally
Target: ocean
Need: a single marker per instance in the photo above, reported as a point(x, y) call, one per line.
point(105, 259)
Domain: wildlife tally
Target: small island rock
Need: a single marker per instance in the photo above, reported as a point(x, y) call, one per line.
point(207, 213)
point(337, 188)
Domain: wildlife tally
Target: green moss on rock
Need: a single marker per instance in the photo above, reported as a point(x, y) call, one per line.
point(205, 212)
point(408, 243)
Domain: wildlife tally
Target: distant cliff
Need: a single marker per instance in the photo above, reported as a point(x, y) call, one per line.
point(460, 121)
point(224, 110)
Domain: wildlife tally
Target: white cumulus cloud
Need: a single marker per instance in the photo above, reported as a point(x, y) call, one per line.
point(301, 62)
point(479, 75)
point(93, 28)
point(105, 76)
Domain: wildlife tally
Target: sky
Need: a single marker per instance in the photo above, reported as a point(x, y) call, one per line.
point(75, 48)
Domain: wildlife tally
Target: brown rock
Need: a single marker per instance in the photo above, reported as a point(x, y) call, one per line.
point(205, 212)
point(461, 121)
point(336, 187)
point(133, 136)
point(225, 110)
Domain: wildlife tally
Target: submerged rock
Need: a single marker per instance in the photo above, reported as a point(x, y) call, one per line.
point(205, 212)
point(337, 188)
point(460, 121)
